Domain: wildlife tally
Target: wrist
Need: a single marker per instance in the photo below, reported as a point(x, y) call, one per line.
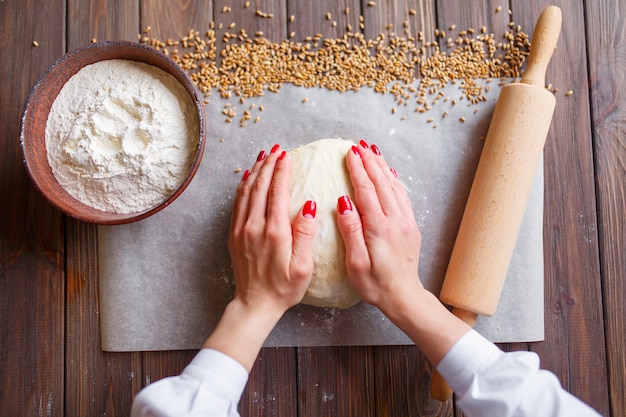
point(407, 305)
point(431, 326)
point(242, 330)
point(400, 304)
point(260, 312)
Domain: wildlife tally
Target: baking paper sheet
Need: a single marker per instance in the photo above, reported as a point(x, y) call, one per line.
point(165, 280)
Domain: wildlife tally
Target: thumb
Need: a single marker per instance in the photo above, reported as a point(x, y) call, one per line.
point(351, 228)
point(303, 235)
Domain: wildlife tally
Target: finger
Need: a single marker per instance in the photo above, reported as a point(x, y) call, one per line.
point(259, 190)
point(364, 189)
point(236, 211)
point(278, 195)
point(379, 174)
point(351, 229)
point(402, 199)
point(406, 207)
point(242, 194)
point(303, 237)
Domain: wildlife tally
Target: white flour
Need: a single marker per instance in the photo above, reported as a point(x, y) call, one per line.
point(121, 136)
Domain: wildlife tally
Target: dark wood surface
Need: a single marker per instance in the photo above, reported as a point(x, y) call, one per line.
point(51, 362)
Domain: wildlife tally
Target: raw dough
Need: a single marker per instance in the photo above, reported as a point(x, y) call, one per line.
point(319, 173)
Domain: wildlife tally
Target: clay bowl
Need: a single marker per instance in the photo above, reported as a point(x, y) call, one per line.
point(35, 116)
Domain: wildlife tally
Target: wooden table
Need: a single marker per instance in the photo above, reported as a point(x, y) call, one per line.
point(50, 357)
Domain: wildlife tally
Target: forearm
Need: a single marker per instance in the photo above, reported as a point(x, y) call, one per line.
point(431, 326)
point(242, 330)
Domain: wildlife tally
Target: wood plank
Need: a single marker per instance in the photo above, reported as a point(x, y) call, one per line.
point(84, 359)
point(575, 345)
point(271, 20)
point(472, 15)
point(271, 388)
point(391, 17)
point(31, 231)
point(337, 381)
point(159, 365)
point(401, 373)
point(424, 19)
point(101, 20)
point(310, 18)
point(403, 383)
point(173, 19)
point(97, 382)
point(606, 47)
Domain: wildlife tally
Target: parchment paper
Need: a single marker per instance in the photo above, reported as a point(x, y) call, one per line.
point(164, 281)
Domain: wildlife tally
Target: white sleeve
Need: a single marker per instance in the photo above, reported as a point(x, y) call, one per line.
point(211, 385)
point(489, 382)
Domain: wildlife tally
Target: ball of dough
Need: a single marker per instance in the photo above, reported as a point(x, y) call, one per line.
point(319, 173)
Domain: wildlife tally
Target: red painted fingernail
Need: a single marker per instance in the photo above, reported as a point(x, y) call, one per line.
point(363, 144)
point(282, 155)
point(375, 149)
point(356, 150)
point(261, 156)
point(275, 148)
point(246, 174)
point(394, 172)
point(345, 205)
point(309, 209)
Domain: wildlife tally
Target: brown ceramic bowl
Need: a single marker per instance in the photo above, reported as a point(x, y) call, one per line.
point(34, 119)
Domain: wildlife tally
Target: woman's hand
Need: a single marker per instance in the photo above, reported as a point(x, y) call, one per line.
point(381, 236)
point(272, 259)
point(382, 253)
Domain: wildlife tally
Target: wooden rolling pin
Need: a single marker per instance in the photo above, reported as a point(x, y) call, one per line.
point(501, 187)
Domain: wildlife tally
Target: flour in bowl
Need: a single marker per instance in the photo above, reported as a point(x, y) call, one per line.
point(121, 136)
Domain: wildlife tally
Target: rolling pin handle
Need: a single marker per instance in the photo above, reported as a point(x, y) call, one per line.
point(439, 388)
point(543, 44)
